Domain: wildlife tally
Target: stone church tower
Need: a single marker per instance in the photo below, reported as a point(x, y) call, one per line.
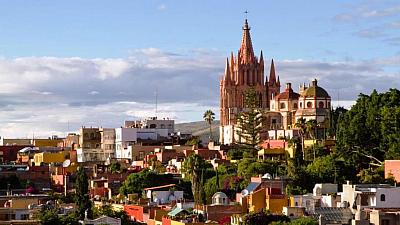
point(241, 73)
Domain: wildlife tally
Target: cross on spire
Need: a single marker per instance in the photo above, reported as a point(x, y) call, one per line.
point(246, 12)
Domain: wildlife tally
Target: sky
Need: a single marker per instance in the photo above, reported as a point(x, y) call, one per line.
point(67, 64)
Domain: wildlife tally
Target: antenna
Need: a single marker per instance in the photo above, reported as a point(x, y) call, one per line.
point(156, 100)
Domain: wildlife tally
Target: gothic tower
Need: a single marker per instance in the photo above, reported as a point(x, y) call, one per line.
point(241, 73)
point(274, 84)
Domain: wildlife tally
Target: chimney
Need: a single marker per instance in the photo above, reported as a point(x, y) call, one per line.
point(288, 86)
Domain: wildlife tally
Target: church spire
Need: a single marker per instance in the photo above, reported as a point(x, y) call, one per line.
point(246, 48)
point(227, 75)
point(272, 76)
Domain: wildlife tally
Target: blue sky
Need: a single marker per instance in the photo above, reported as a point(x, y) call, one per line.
point(99, 62)
point(283, 29)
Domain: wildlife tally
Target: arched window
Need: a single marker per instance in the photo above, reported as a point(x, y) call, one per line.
point(153, 126)
point(329, 104)
point(301, 105)
point(283, 105)
point(295, 105)
point(309, 104)
point(321, 105)
point(383, 198)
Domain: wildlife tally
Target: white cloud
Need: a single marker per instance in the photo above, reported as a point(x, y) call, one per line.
point(46, 95)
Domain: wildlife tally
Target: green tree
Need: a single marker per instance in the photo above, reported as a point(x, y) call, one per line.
point(136, 182)
point(115, 167)
point(311, 126)
point(335, 115)
point(263, 218)
point(49, 217)
point(82, 199)
point(249, 122)
point(202, 198)
point(304, 221)
point(192, 168)
point(209, 117)
point(299, 221)
point(322, 169)
point(368, 133)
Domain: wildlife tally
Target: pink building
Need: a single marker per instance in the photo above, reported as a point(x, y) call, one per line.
point(392, 168)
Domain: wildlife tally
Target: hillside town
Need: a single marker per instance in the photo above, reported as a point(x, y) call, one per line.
point(282, 155)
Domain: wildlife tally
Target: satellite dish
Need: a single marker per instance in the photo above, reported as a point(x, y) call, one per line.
point(267, 176)
point(245, 192)
point(66, 163)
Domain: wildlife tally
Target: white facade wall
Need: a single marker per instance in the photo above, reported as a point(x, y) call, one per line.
point(124, 137)
point(323, 189)
point(164, 196)
point(391, 197)
point(275, 134)
point(152, 134)
point(91, 155)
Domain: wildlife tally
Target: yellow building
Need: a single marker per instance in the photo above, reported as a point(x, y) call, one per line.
point(46, 142)
point(275, 203)
point(263, 199)
point(50, 157)
point(256, 201)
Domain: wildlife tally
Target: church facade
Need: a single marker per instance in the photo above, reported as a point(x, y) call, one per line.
point(280, 109)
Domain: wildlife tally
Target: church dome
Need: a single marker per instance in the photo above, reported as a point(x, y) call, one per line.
point(288, 94)
point(315, 91)
point(220, 198)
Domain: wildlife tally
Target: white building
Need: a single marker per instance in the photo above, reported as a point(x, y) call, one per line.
point(152, 133)
point(163, 194)
point(153, 123)
point(360, 196)
point(94, 155)
point(124, 137)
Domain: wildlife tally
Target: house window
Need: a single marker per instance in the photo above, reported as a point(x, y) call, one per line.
point(301, 105)
point(295, 105)
point(383, 197)
point(141, 155)
point(309, 104)
point(321, 105)
point(283, 105)
point(24, 216)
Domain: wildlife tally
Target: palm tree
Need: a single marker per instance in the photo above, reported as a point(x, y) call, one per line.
point(311, 127)
point(301, 124)
point(209, 117)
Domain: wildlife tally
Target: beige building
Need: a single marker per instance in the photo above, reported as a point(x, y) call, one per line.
point(15, 141)
point(71, 141)
point(90, 138)
point(20, 207)
point(107, 138)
